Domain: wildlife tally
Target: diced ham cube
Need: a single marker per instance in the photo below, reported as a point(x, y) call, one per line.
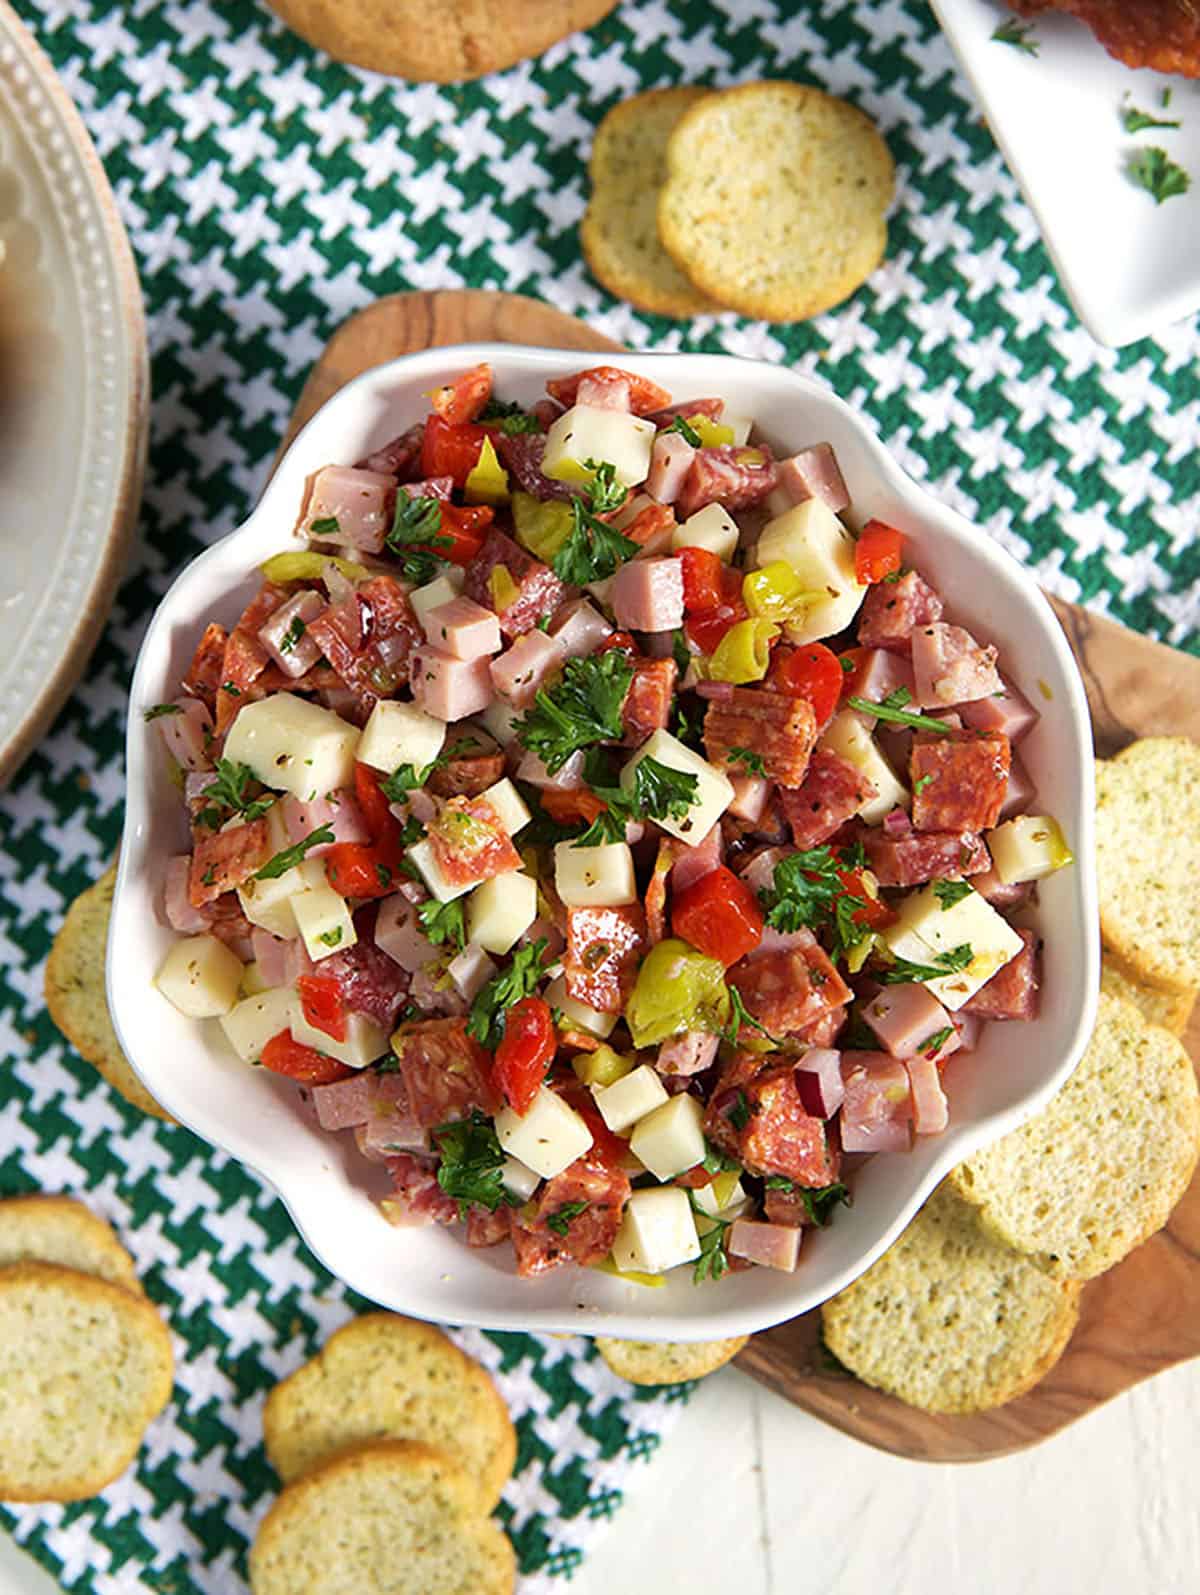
point(1020, 792)
point(788, 989)
point(689, 1053)
point(819, 1081)
point(647, 705)
point(450, 688)
point(930, 1110)
point(814, 473)
point(950, 667)
point(188, 734)
point(470, 843)
point(878, 1104)
point(924, 856)
point(768, 1245)
point(521, 670)
point(876, 674)
point(177, 904)
point(604, 392)
point(370, 982)
point(779, 1137)
point(832, 792)
point(446, 1072)
point(670, 461)
point(1006, 711)
point(579, 629)
point(226, 860)
point(959, 781)
point(892, 611)
point(1011, 993)
point(647, 594)
point(285, 635)
point(734, 476)
point(969, 1026)
point(518, 588)
point(398, 933)
point(589, 1232)
point(345, 1103)
point(358, 501)
point(908, 1020)
point(339, 811)
point(604, 948)
point(780, 728)
point(999, 893)
point(463, 628)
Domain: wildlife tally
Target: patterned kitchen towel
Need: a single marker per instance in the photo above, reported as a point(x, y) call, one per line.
point(269, 193)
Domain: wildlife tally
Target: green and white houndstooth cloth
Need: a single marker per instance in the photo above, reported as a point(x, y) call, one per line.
point(269, 193)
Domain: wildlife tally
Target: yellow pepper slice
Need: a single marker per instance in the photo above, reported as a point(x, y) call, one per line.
point(502, 587)
point(305, 566)
point(712, 433)
point(487, 480)
point(602, 1067)
point(744, 652)
point(541, 527)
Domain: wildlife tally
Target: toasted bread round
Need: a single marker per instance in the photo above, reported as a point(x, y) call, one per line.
point(775, 199)
point(390, 1518)
point(1148, 859)
point(84, 1367)
point(667, 1362)
point(383, 1377)
point(76, 997)
point(437, 41)
point(619, 231)
point(949, 1319)
point(57, 1229)
point(1170, 1009)
point(1099, 1170)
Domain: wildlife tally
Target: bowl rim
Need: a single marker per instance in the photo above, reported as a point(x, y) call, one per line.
point(721, 1315)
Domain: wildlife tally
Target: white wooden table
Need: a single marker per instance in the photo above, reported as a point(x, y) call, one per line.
point(751, 1496)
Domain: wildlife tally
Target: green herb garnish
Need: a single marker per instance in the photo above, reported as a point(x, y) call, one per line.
point(292, 635)
point(739, 1114)
point(739, 1016)
point(227, 794)
point(443, 922)
point(716, 1162)
point(560, 1222)
point(1135, 121)
point(1019, 34)
point(510, 418)
point(892, 710)
point(1154, 170)
point(659, 792)
point(521, 979)
point(933, 1044)
point(160, 709)
point(582, 709)
point(325, 526)
point(804, 887)
point(472, 1162)
point(686, 430)
point(416, 536)
point(950, 892)
point(331, 938)
point(819, 1200)
point(291, 856)
point(753, 761)
point(903, 972)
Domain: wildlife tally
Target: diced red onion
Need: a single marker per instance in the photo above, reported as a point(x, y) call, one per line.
point(819, 1082)
point(399, 935)
point(896, 824)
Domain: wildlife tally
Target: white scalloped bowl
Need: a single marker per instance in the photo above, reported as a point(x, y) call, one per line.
point(326, 1186)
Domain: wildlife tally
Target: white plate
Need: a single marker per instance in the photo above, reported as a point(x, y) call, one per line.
point(1128, 266)
point(70, 474)
point(190, 1069)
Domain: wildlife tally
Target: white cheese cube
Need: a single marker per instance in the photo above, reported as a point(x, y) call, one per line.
point(365, 1040)
point(547, 1138)
point(926, 928)
point(578, 1015)
point(594, 877)
point(521, 1181)
point(269, 903)
point(252, 981)
point(439, 591)
point(657, 1232)
point(821, 552)
point(714, 791)
point(713, 528)
point(293, 745)
point(671, 1138)
point(1028, 848)
point(200, 976)
point(323, 919)
point(400, 733)
point(509, 805)
point(422, 856)
point(499, 718)
point(630, 1098)
point(470, 971)
point(501, 909)
point(614, 437)
point(251, 1023)
point(847, 736)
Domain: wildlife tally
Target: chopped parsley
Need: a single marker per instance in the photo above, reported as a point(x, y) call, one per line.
point(472, 1162)
point(689, 723)
point(740, 1016)
point(686, 430)
point(227, 794)
point(680, 651)
point(950, 892)
point(892, 709)
point(443, 922)
point(819, 1200)
point(592, 549)
point(848, 932)
point(416, 536)
point(407, 778)
point(753, 761)
point(1019, 34)
point(325, 526)
point(604, 491)
point(560, 1222)
point(933, 1044)
point(160, 709)
point(1134, 121)
point(659, 792)
point(510, 418)
point(712, 1262)
point(716, 1162)
point(291, 856)
point(582, 709)
point(228, 686)
point(1154, 170)
point(292, 635)
point(921, 783)
point(804, 888)
point(331, 938)
point(739, 1114)
point(903, 972)
point(521, 979)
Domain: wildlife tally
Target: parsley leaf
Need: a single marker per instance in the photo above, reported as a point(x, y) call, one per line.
point(560, 1222)
point(227, 794)
point(716, 1162)
point(292, 635)
point(921, 783)
point(752, 761)
point(686, 430)
point(416, 536)
point(325, 526)
point(1018, 34)
point(291, 856)
point(680, 651)
point(159, 710)
point(471, 1165)
point(933, 1044)
point(486, 1019)
point(739, 1016)
point(803, 890)
point(511, 418)
point(739, 1114)
point(902, 972)
point(659, 792)
point(407, 778)
point(443, 922)
point(1134, 121)
point(604, 492)
point(584, 708)
point(689, 722)
point(592, 550)
point(890, 711)
point(819, 1200)
point(712, 1262)
point(848, 932)
point(1154, 170)
point(950, 892)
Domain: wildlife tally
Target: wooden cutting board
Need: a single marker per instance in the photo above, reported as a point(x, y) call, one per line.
point(1142, 1316)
